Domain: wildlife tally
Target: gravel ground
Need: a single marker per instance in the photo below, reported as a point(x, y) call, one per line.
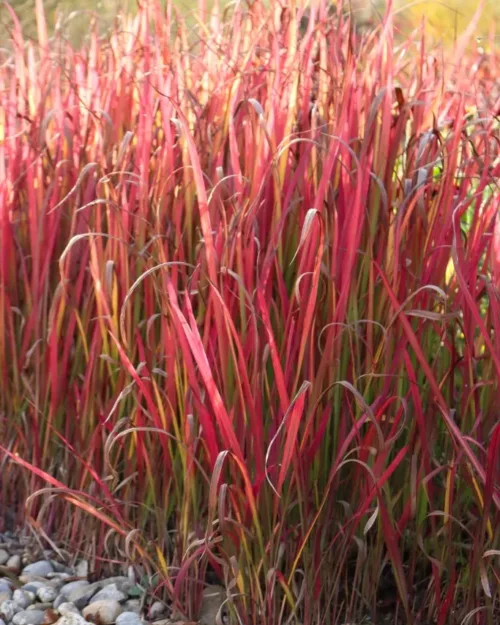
point(46, 592)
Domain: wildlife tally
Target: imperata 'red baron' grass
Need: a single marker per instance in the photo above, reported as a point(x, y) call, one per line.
point(250, 309)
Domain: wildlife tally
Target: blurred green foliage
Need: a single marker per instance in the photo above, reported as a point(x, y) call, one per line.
point(445, 18)
point(76, 15)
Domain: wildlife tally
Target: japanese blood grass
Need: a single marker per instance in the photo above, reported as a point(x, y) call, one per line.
point(250, 310)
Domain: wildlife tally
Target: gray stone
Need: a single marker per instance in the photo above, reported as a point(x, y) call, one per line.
point(31, 579)
point(128, 618)
point(156, 611)
point(46, 594)
point(33, 586)
point(102, 612)
point(68, 608)
point(40, 606)
point(8, 609)
point(122, 583)
point(23, 597)
point(61, 568)
point(81, 596)
point(5, 590)
point(14, 563)
point(59, 600)
point(4, 557)
point(110, 592)
point(133, 605)
point(68, 588)
point(117, 579)
point(39, 569)
point(29, 617)
point(213, 601)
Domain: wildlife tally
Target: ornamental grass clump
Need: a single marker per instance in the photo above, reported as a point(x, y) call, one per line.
point(250, 310)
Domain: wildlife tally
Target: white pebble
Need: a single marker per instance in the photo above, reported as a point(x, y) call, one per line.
point(14, 563)
point(67, 608)
point(60, 577)
point(103, 612)
point(71, 619)
point(46, 594)
point(82, 568)
point(8, 609)
point(156, 611)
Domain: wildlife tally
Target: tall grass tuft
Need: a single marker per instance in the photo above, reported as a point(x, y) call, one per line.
point(250, 309)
